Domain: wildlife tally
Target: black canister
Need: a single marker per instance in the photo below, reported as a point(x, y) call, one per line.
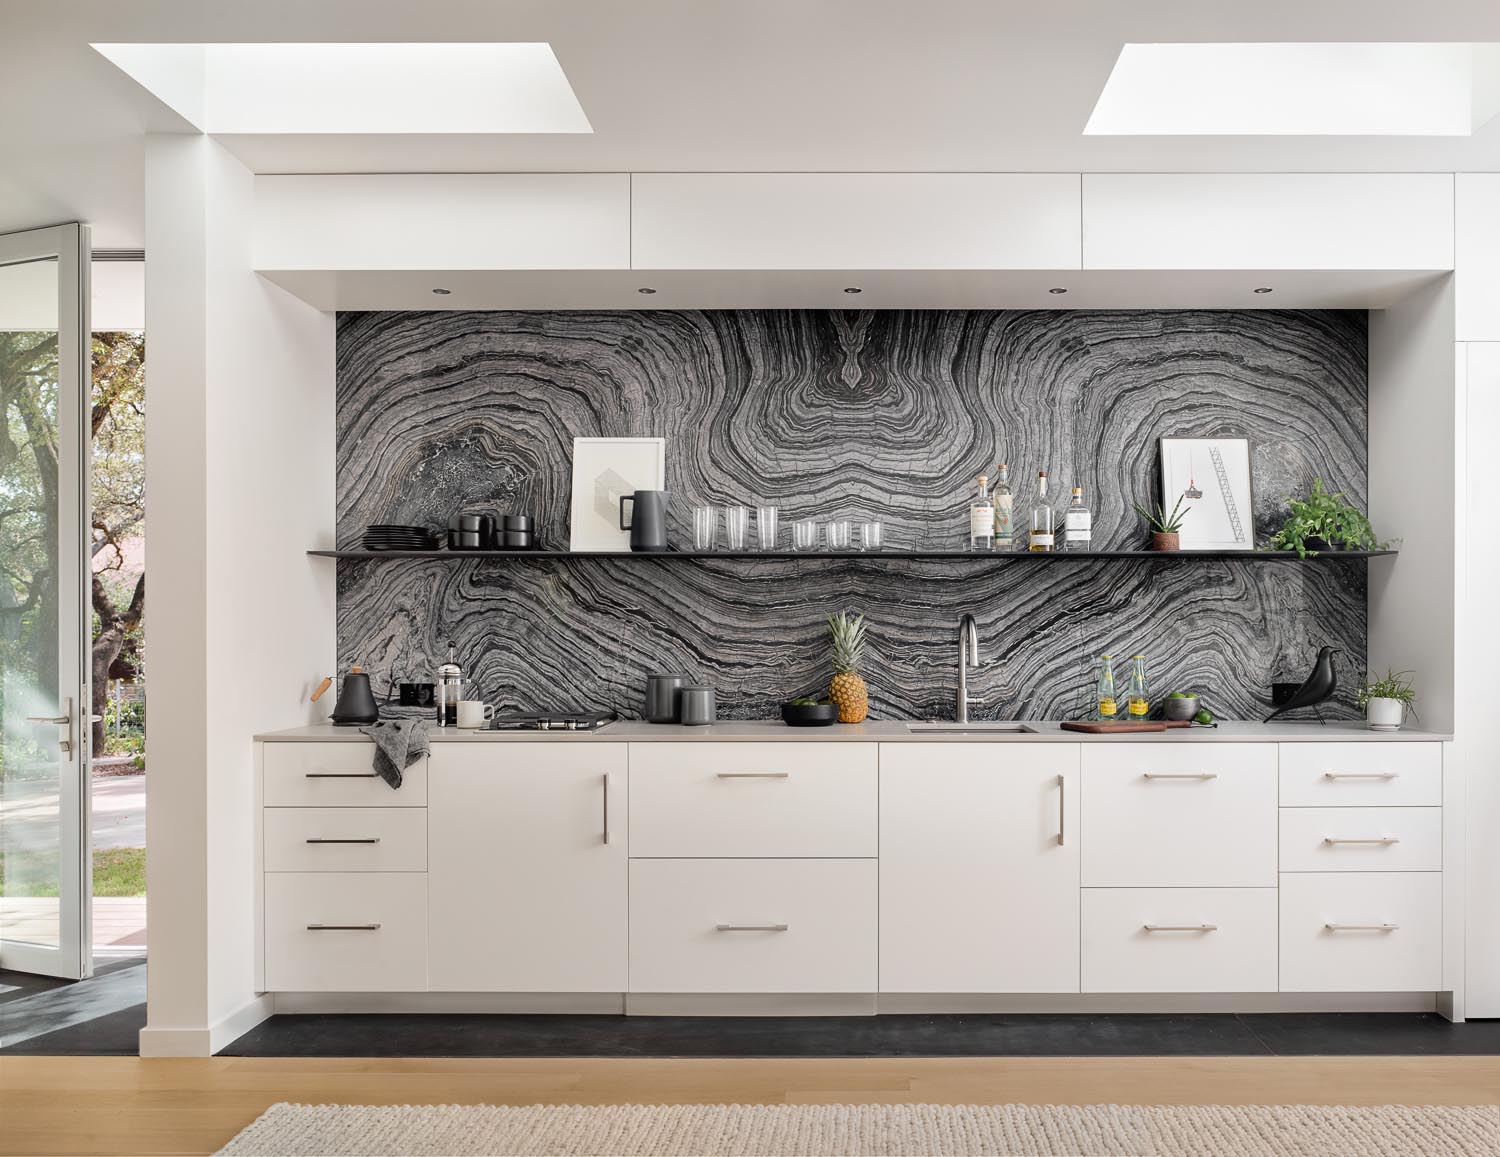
point(698, 708)
point(661, 698)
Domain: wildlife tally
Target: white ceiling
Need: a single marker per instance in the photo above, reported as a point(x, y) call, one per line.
point(818, 85)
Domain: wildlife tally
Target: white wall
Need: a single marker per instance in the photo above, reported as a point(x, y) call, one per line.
point(240, 462)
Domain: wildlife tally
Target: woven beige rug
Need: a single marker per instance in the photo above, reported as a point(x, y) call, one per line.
point(866, 1130)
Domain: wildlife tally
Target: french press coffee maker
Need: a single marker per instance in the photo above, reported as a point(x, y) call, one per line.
point(449, 690)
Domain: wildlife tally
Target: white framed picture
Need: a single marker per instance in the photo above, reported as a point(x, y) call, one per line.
point(1212, 476)
point(603, 470)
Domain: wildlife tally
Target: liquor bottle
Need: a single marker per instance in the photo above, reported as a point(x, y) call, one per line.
point(1107, 704)
point(982, 517)
point(1005, 510)
point(1137, 703)
point(1040, 537)
point(1078, 523)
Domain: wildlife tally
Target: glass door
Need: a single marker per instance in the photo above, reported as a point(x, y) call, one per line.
point(44, 849)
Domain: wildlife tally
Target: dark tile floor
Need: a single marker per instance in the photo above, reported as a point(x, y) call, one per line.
point(99, 1016)
point(1336, 1034)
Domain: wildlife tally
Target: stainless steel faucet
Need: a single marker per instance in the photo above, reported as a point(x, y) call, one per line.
point(968, 653)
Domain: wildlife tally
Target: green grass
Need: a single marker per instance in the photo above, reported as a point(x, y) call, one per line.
point(117, 872)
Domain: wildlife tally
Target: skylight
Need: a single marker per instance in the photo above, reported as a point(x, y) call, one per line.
point(357, 88)
point(1341, 89)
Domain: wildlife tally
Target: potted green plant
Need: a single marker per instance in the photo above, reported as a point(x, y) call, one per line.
point(1164, 526)
point(1387, 700)
point(1322, 521)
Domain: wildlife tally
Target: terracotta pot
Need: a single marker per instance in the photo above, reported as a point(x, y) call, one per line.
point(1160, 541)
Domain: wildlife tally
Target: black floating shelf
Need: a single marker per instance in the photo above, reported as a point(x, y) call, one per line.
point(873, 555)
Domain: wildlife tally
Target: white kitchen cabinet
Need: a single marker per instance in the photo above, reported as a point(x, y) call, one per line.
point(527, 868)
point(345, 839)
point(753, 799)
point(1168, 815)
point(979, 867)
point(1362, 839)
point(336, 775)
point(1361, 774)
point(345, 931)
point(1268, 221)
point(1362, 932)
point(1179, 940)
point(756, 926)
point(851, 221)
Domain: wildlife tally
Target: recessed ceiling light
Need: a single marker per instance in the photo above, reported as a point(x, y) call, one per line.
point(854, 289)
point(1264, 289)
point(1057, 289)
point(645, 289)
point(444, 292)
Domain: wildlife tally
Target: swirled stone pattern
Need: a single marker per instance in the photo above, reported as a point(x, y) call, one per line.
point(848, 414)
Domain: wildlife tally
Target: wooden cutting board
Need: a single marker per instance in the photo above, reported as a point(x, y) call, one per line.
point(1122, 728)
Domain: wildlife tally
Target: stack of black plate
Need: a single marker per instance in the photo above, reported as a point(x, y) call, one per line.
point(384, 536)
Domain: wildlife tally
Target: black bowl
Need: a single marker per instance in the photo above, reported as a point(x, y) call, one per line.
point(809, 714)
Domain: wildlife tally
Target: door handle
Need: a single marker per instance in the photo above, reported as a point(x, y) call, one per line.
point(1383, 840)
point(1180, 927)
point(754, 775)
point(56, 720)
point(1181, 775)
point(65, 744)
point(1382, 927)
point(750, 927)
point(1062, 810)
point(331, 840)
point(343, 927)
point(605, 778)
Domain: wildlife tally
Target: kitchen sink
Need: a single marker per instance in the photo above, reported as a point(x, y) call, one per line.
point(988, 727)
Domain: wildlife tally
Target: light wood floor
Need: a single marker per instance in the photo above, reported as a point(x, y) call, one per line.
point(124, 1105)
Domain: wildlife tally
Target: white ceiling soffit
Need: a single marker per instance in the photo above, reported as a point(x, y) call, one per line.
point(357, 88)
point(1299, 90)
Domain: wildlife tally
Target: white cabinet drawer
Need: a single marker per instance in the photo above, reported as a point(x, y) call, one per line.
point(1366, 774)
point(339, 839)
point(346, 932)
point(1362, 932)
point(753, 926)
point(1362, 839)
point(335, 775)
point(754, 799)
point(1179, 940)
point(1162, 815)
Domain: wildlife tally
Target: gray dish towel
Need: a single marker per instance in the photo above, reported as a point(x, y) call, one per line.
point(399, 743)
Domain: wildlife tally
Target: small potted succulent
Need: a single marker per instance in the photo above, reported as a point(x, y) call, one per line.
point(1387, 700)
point(1164, 526)
point(1324, 521)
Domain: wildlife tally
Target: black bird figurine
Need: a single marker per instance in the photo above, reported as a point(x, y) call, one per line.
point(1317, 688)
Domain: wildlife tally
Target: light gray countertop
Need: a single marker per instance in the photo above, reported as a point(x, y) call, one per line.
point(768, 730)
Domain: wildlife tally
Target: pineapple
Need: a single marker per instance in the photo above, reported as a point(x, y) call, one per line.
point(848, 689)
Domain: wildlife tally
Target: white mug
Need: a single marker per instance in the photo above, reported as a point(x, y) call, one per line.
point(474, 713)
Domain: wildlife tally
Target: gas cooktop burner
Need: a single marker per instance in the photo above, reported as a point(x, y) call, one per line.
point(554, 721)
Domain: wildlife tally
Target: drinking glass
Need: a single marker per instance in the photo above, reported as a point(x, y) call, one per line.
point(705, 527)
point(805, 534)
point(869, 536)
point(837, 533)
point(736, 525)
point(765, 526)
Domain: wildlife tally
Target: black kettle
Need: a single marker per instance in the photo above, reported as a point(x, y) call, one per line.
point(356, 706)
point(648, 519)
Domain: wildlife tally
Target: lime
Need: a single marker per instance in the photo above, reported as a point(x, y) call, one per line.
point(1205, 717)
point(1178, 695)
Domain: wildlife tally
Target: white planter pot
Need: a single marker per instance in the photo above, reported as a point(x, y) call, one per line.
point(1385, 714)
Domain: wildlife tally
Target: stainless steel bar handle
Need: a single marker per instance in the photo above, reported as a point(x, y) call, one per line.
point(1062, 810)
point(341, 840)
point(1180, 927)
point(1360, 774)
point(55, 720)
point(754, 775)
point(750, 927)
point(1384, 927)
point(1362, 840)
point(605, 778)
point(342, 927)
point(1182, 775)
point(340, 775)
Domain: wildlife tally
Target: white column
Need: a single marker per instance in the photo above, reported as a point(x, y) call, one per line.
point(239, 467)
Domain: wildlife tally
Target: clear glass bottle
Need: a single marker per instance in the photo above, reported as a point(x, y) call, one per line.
point(1041, 536)
point(1106, 699)
point(1078, 524)
point(982, 517)
point(1137, 702)
point(1005, 510)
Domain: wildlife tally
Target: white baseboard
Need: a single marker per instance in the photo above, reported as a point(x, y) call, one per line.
point(596, 1003)
point(750, 1004)
point(1099, 1002)
point(205, 1041)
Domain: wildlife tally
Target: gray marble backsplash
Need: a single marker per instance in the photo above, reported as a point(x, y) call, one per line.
point(885, 414)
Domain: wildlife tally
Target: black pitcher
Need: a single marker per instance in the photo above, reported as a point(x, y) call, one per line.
point(648, 519)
